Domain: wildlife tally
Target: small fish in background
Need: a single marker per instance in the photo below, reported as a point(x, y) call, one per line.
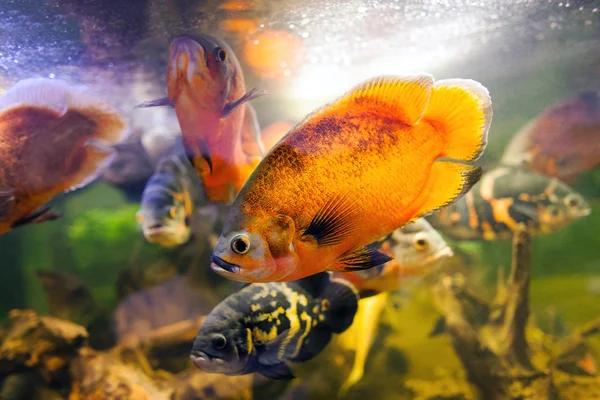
point(415, 248)
point(219, 127)
point(168, 203)
point(505, 197)
point(562, 142)
point(352, 172)
point(266, 325)
point(54, 137)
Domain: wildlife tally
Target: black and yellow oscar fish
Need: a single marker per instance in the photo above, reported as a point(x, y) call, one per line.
point(265, 325)
point(505, 197)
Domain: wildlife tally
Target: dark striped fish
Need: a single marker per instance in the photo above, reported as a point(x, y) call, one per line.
point(505, 197)
point(168, 203)
point(265, 325)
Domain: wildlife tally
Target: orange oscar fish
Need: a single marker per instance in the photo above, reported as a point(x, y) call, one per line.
point(388, 152)
point(220, 129)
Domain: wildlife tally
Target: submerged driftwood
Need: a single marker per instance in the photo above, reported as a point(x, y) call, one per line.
point(490, 339)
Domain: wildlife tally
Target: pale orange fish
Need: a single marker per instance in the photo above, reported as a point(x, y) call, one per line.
point(219, 128)
point(389, 151)
point(54, 137)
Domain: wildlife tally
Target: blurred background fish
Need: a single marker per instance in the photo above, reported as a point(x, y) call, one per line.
point(54, 137)
point(563, 141)
point(168, 203)
point(505, 197)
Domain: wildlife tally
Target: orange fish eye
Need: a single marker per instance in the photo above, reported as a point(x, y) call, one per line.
point(240, 244)
point(221, 54)
point(420, 243)
point(139, 216)
point(173, 212)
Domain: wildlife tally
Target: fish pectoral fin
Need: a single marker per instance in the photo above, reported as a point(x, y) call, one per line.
point(251, 95)
point(278, 349)
point(527, 210)
point(461, 111)
point(162, 102)
point(448, 181)
point(276, 371)
point(439, 327)
point(252, 144)
point(360, 258)
point(199, 154)
point(38, 217)
point(335, 221)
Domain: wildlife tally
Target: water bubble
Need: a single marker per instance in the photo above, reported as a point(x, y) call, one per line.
point(51, 76)
point(305, 34)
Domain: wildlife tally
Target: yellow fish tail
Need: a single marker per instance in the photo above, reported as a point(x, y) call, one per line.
point(461, 110)
point(447, 182)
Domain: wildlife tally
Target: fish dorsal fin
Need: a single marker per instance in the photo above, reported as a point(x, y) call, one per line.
point(315, 284)
point(252, 143)
point(407, 96)
point(334, 221)
point(37, 92)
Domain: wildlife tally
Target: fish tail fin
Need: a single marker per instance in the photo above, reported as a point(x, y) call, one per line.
point(462, 110)
point(343, 304)
point(448, 181)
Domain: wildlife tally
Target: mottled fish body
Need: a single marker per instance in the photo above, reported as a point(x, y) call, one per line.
point(266, 325)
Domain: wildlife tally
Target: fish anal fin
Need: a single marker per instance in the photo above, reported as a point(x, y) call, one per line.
point(335, 221)
point(276, 371)
point(162, 102)
point(37, 217)
point(448, 181)
point(462, 110)
point(405, 96)
point(251, 95)
point(360, 258)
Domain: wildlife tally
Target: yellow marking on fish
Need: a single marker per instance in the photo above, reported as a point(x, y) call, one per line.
point(261, 295)
point(487, 183)
point(488, 232)
point(262, 336)
point(273, 293)
point(473, 219)
point(315, 309)
point(249, 340)
point(304, 317)
point(455, 216)
point(255, 307)
point(292, 315)
point(500, 212)
point(324, 305)
point(524, 197)
point(321, 317)
point(314, 323)
point(303, 301)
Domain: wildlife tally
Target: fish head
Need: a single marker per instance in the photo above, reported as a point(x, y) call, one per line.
point(418, 245)
point(564, 206)
point(253, 249)
point(203, 68)
point(163, 216)
point(223, 345)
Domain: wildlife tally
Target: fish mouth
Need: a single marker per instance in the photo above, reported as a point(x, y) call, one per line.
point(219, 265)
point(202, 359)
point(443, 253)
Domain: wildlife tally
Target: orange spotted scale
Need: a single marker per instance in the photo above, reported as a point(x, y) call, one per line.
point(389, 151)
